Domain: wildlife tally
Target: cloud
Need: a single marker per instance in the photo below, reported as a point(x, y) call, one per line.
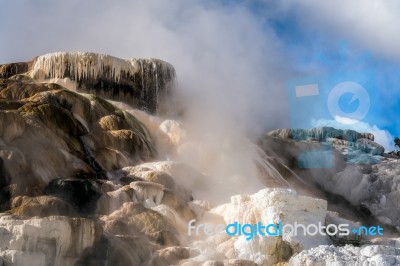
point(230, 65)
point(373, 25)
point(225, 57)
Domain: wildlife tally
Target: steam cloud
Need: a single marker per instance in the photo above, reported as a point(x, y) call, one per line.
point(231, 66)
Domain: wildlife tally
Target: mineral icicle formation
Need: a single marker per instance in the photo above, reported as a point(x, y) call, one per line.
point(142, 83)
point(87, 181)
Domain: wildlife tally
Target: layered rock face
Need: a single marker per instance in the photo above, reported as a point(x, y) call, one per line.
point(48, 132)
point(59, 147)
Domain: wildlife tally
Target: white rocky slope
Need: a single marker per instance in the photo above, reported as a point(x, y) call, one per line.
point(271, 206)
point(359, 170)
point(54, 240)
point(348, 255)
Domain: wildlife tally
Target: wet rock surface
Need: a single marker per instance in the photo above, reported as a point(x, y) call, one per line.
point(57, 147)
point(55, 133)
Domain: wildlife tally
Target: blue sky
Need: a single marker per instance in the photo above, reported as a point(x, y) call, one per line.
point(324, 55)
point(235, 58)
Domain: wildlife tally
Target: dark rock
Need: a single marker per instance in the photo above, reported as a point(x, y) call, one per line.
point(12, 69)
point(126, 180)
point(10, 105)
point(118, 251)
point(5, 198)
point(82, 194)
